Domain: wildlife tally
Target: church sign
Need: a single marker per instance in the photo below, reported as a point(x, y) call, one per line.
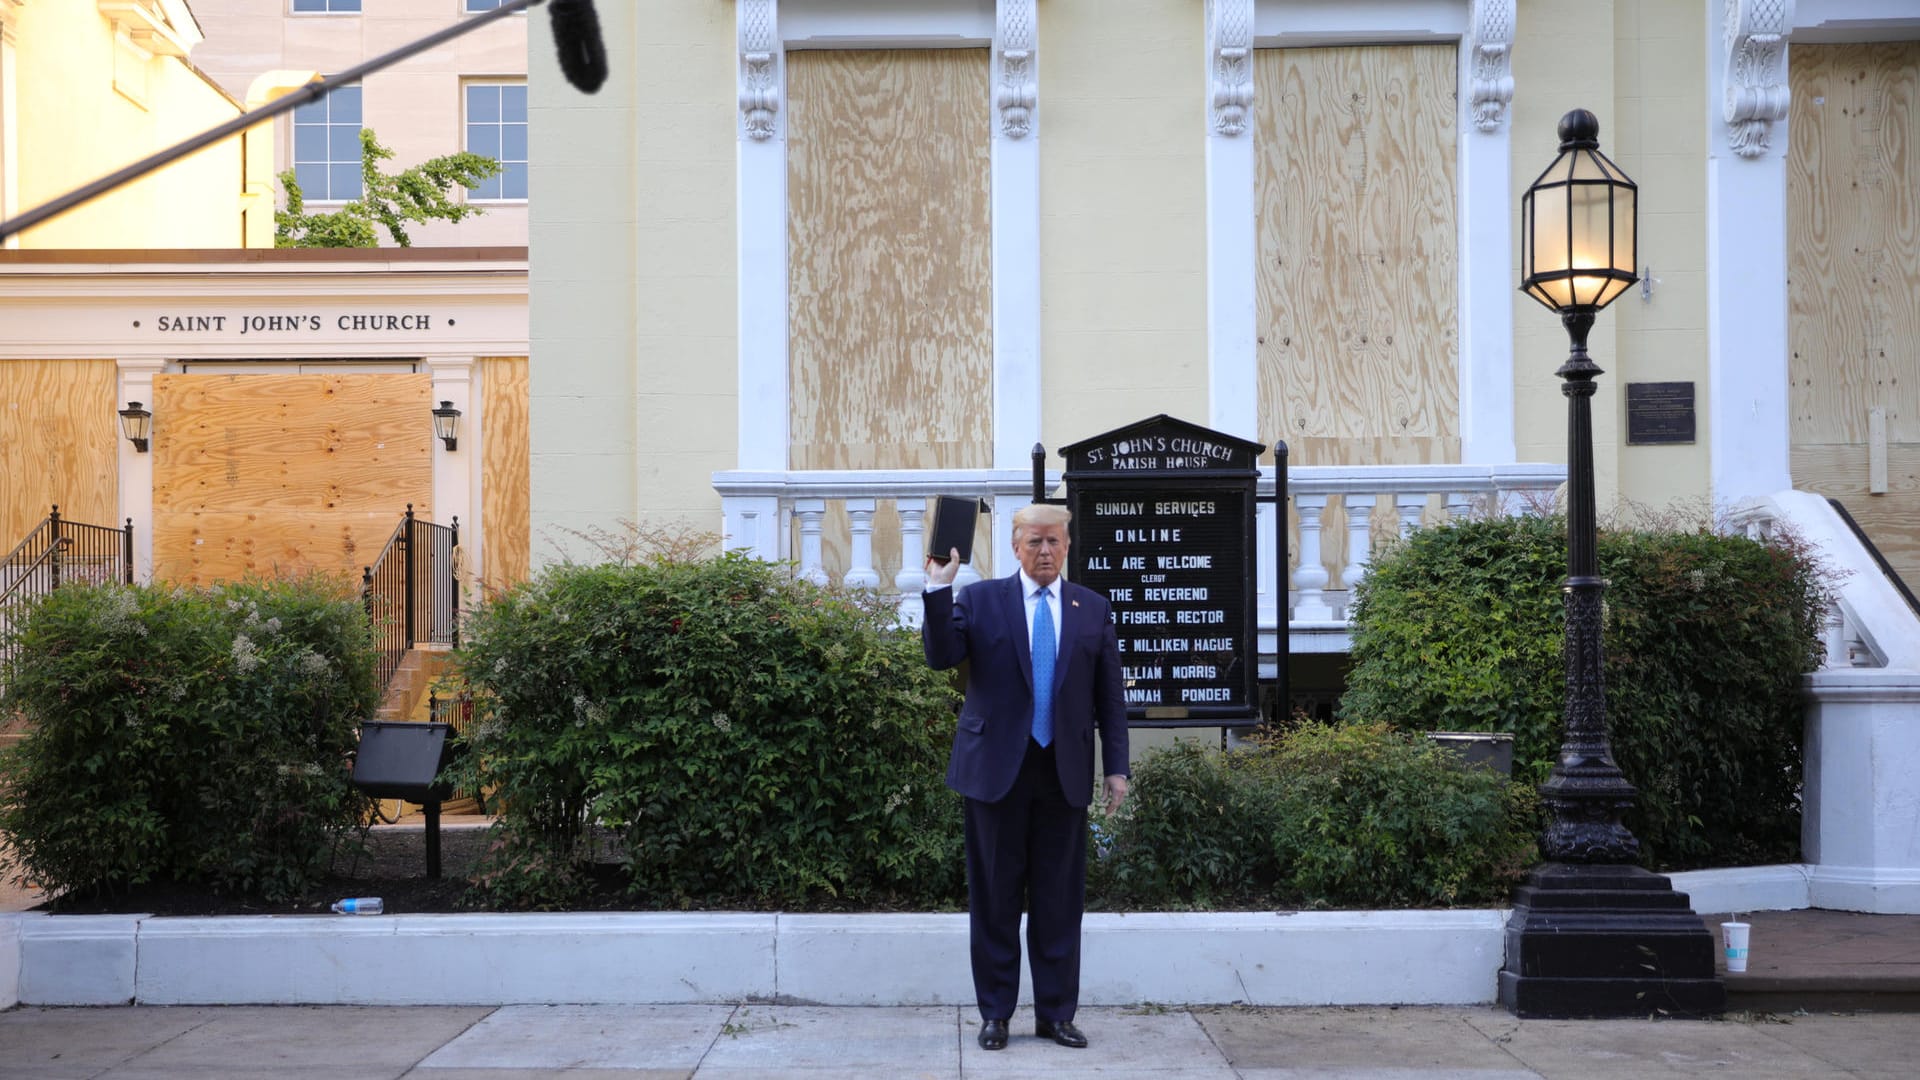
point(1163, 525)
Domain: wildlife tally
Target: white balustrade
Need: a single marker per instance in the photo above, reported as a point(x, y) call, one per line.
point(770, 514)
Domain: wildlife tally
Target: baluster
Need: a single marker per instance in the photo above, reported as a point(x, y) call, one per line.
point(1359, 538)
point(1312, 577)
point(1410, 504)
point(1459, 506)
point(912, 578)
point(811, 513)
point(860, 571)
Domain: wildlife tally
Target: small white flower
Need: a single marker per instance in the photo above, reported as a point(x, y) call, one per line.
point(246, 656)
point(722, 722)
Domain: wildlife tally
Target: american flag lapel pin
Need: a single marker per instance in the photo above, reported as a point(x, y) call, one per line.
point(1076, 603)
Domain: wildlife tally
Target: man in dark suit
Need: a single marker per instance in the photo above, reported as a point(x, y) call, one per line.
point(1045, 673)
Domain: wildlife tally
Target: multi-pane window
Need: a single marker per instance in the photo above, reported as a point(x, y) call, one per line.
point(497, 128)
point(483, 5)
point(326, 147)
point(331, 7)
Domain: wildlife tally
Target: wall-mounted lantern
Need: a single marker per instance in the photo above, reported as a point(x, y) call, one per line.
point(136, 424)
point(446, 425)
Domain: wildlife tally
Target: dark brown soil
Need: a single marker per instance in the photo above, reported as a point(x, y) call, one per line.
point(400, 895)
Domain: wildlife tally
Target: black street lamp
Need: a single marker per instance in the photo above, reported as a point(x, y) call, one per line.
point(1591, 933)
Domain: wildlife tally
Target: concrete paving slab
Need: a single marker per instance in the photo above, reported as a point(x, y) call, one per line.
point(767, 1040)
point(138, 1070)
point(83, 1042)
point(1162, 1044)
point(366, 1040)
point(665, 1037)
point(1331, 1041)
point(1636, 1048)
point(1864, 1045)
point(425, 1073)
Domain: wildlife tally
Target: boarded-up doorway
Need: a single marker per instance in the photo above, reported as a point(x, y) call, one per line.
point(282, 473)
point(1853, 273)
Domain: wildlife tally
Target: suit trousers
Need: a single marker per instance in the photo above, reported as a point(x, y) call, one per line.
point(1028, 849)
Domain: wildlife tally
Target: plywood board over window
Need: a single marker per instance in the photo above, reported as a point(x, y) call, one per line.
point(1357, 295)
point(890, 267)
point(506, 490)
point(1853, 285)
point(59, 443)
point(272, 474)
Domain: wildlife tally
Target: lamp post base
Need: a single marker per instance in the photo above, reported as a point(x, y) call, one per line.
point(1599, 941)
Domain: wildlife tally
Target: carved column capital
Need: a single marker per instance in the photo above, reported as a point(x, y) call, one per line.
point(758, 25)
point(1230, 60)
point(1016, 89)
point(1492, 62)
point(1756, 78)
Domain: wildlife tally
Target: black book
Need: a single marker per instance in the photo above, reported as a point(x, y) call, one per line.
point(953, 523)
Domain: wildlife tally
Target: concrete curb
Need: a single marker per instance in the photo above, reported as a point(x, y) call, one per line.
point(1746, 888)
point(1310, 958)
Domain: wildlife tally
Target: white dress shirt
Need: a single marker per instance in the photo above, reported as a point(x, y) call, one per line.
point(1028, 589)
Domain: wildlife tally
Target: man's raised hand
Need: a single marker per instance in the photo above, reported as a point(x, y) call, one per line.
point(939, 573)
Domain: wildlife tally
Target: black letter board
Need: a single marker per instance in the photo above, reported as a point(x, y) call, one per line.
point(1163, 524)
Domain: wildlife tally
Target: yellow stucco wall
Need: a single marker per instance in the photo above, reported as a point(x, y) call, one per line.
point(87, 106)
point(636, 283)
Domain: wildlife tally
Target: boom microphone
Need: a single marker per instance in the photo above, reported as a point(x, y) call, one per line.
point(576, 31)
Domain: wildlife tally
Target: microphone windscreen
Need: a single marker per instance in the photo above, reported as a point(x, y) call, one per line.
point(576, 32)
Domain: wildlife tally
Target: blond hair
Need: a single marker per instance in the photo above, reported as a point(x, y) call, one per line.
point(1040, 514)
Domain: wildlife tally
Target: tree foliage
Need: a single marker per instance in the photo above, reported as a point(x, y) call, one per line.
point(391, 201)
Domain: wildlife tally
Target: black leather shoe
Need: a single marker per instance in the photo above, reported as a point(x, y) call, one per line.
point(993, 1035)
point(1060, 1031)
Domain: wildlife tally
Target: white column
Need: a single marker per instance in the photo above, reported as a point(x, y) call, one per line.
point(1233, 358)
point(1410, 504)
point(1748, 431)
point(812, 513)
point(1312, 577)
point(1459, 506)
point(454, 471)
point(762, 237)
point(1359, 538)
point(1015, 148)
point(860, 571)
point(911, 579)
point(136, 468)
point(1486, 213)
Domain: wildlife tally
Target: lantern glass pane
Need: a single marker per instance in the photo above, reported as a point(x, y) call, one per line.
point(1592, 212)
point(1557, 173)
point(1587, 166)
point(1625, 213)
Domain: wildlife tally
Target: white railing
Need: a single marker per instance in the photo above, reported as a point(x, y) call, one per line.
point(870, 525)
point(1869, 624)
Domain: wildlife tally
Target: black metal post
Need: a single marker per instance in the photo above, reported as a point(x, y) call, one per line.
point(407, 578)
point(1587, 794)
point(1039, 473)
point(366, 594)
point(1282, 592)
point(453, 581)
point(126, 550)
point(432, 808)
point(53, 556)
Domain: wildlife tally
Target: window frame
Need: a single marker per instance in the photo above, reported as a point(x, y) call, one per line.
point(294, 161)
point(328, 12)
point(466, 134)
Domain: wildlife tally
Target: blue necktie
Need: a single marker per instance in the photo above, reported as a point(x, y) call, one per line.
point(1043, 648)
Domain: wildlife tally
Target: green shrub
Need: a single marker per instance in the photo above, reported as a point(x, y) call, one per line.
point(198, 736)
point(1347, 816)
point(741, 737)
point(1461, 628)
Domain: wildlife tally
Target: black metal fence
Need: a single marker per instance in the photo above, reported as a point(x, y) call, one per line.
point(59, 552)
point(410, 590)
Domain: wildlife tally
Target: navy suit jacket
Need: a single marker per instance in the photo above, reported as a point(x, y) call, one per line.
point(986, 623)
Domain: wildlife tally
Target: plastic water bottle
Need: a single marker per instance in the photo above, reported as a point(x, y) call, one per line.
point(358, 905)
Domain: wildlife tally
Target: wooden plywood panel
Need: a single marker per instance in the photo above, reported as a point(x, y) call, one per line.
point(1357, 302)
point(890, 270)
point(1853, 226)
point(59, 443)
point(1853, 264)
point(506, 491)
point(266, 474)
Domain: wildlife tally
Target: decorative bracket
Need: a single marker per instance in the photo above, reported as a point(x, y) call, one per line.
point(1016, 90)
point(1757, 91)
point(1230, 54)
point(1492, 62)
point(758, 23)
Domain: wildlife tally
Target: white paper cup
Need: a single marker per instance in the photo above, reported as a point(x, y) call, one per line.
point(1734, 935)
